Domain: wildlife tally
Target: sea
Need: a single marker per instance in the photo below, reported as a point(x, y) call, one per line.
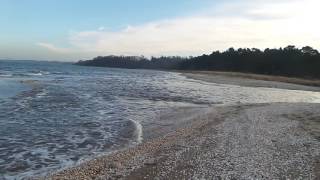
point(55, 115)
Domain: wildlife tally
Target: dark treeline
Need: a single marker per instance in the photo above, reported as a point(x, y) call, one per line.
point(288, 61)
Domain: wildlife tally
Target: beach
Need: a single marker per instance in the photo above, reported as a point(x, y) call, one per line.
point(254, 80)
point(243, 141)
point(160, 90)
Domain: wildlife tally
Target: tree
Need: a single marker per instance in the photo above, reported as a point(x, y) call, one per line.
point(309, 51)
point(288, 61)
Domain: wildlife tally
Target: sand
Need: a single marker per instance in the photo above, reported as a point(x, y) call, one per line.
point(254, 80)
point(249, 141)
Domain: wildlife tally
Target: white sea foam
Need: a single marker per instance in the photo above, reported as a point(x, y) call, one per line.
point(41, 94)
point(5, 75)
point(138, 131)
point(34, 74)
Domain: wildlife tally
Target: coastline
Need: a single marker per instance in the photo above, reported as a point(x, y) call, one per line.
point(254, 80)
point(220, 142)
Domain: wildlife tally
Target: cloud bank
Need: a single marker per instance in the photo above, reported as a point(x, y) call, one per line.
point(234, 24)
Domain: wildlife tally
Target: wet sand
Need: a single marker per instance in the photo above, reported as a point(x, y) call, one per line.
point(253, 141)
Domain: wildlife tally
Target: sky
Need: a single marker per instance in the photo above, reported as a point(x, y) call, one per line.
point(70, 30)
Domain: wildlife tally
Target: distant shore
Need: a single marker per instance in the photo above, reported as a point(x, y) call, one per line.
point(254, 80)
point(275, 140)
point(289, 61)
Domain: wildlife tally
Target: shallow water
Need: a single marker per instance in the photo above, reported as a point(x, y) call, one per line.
point(9, 88)
point(62, 114)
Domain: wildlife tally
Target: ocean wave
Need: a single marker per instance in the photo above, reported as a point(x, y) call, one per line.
point(42, 93)
point(138, 131)
point(5, 75)
point(38, 73)
point(30, 74)
point(34, 74)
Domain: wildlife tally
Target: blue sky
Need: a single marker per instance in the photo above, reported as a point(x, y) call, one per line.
point(72, 30)
point(29, 20)
point(52, 17)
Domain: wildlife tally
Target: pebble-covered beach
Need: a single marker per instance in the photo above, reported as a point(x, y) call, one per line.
point(245, 141)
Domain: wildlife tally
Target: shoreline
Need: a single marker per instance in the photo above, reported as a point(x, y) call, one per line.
point(253, 80)
point(220, 144)
point(169, 123)
point(237, 141)
point(110, 165)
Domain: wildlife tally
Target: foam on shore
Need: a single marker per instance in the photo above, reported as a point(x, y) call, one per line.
point(138, 131)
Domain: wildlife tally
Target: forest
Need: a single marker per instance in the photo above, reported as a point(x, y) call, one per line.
point(289, 61)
